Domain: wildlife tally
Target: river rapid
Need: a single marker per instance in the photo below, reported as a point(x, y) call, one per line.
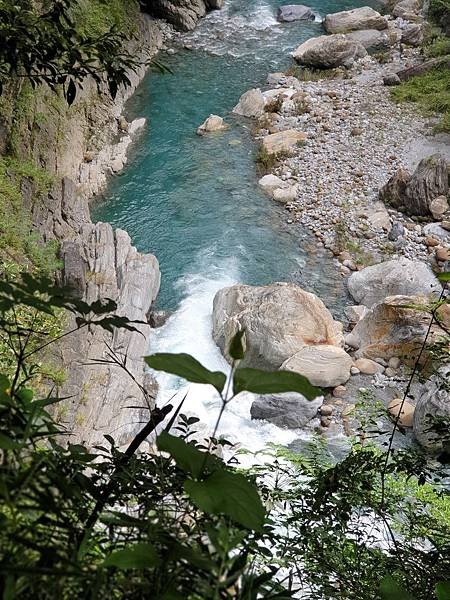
point(194, 201)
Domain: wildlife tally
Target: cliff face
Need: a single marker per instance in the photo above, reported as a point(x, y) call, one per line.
point(183, 14)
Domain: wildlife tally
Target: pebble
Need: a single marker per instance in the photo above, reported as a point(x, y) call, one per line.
point(326, 410)
point(354, 371)
point(348, 410)
point(340, 391)
point(394, 362)
point(389, 372)
point(368, 367)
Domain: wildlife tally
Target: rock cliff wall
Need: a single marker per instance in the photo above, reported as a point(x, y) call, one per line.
point(183, 14)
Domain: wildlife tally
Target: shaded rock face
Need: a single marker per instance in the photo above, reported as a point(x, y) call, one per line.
point(434, 404)
point(394, 277)
point(183, 14)
point(294, 12)
point(290, 411)
point(389, 329)
point(415, 193)
point(329, 51)
point(279, 320)
point(352, 20)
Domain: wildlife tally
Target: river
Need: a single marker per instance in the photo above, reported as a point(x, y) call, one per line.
point(194, 201)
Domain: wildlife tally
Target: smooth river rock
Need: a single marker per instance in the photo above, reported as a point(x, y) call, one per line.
point(393, 277)
point(355, 19)
point(279, 320)
point(283, 141)
point(294, 12)
point(329, 51)
point(211, 124)
point(290, 411)
point(323, 365)
point(251, 104)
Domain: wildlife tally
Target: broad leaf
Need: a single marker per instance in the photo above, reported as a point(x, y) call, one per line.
point(6, 443)
point(237, 346)
point(444, 277)
point(138, 556)
point(229, 494)
point(443, 590)
point(273, 382)
point(187, 457)
point(390, 589)
point(187, 367)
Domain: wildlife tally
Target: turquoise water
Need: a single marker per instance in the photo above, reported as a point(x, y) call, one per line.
point(194, 201)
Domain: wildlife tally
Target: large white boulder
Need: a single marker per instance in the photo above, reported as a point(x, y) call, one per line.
point(213, 123)
point(322, 365)
point(355, 19)
point(329, 51)
point(395, 277)
point(279, 320)
point(251, 104)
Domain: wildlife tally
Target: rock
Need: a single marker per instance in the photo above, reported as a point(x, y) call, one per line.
point(289, 410)
point(251, 104)
point(294, 12)
point(394, 191)
point(183, 14)
point(442, 254)
point(326, 410)
point(433, 404)
point(213, 123)
point(340, 391)
point(269, 183)
point(402, 412)
point(283, 141)
point(390, 372)
point(279, 320)
point(397, 230)
point(372, 39)
point(428, 181)
point(356, 131)
point(437, 231)
point(412, 35)
point(355, 313)
point(136, 125)
point(368, 367)
point(286, 194)
point(123, 124)
point(329, 51)
point(158, 318)
point(354, 370)
point(348, 410)
point(406, 9)
point(438, 207)
point(394, 277)
point(355, 19)
point(389, 329)
point(391, 79)
point(394, 362)
point(380, 219)
point(323, 365)
point(89, 156)
point(431, 241)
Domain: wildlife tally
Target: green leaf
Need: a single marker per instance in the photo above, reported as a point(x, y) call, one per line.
point(186, 456)
point(390, 589)
point(273, 382)
point(231, 494)
point(138, 556)
point(6, 443)
point(443, 590)
point(237, 346)
point(187, 367)
point(444, 277)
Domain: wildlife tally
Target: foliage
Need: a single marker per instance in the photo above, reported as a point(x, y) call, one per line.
point(306, 74)
point(42, 43)
point(431, 92)
point(266, 161)
point(439, 46)
point(183, 521)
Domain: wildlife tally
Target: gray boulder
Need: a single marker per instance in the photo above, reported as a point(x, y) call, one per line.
point(355, 19)
point(251, 104)
point(391, 278)
point(294, 12)
point(329, 51)
point(412, 35)
point(279, 320)
point(433, 412)
point(407, 9)
point(373, 40)
point(290, 410)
